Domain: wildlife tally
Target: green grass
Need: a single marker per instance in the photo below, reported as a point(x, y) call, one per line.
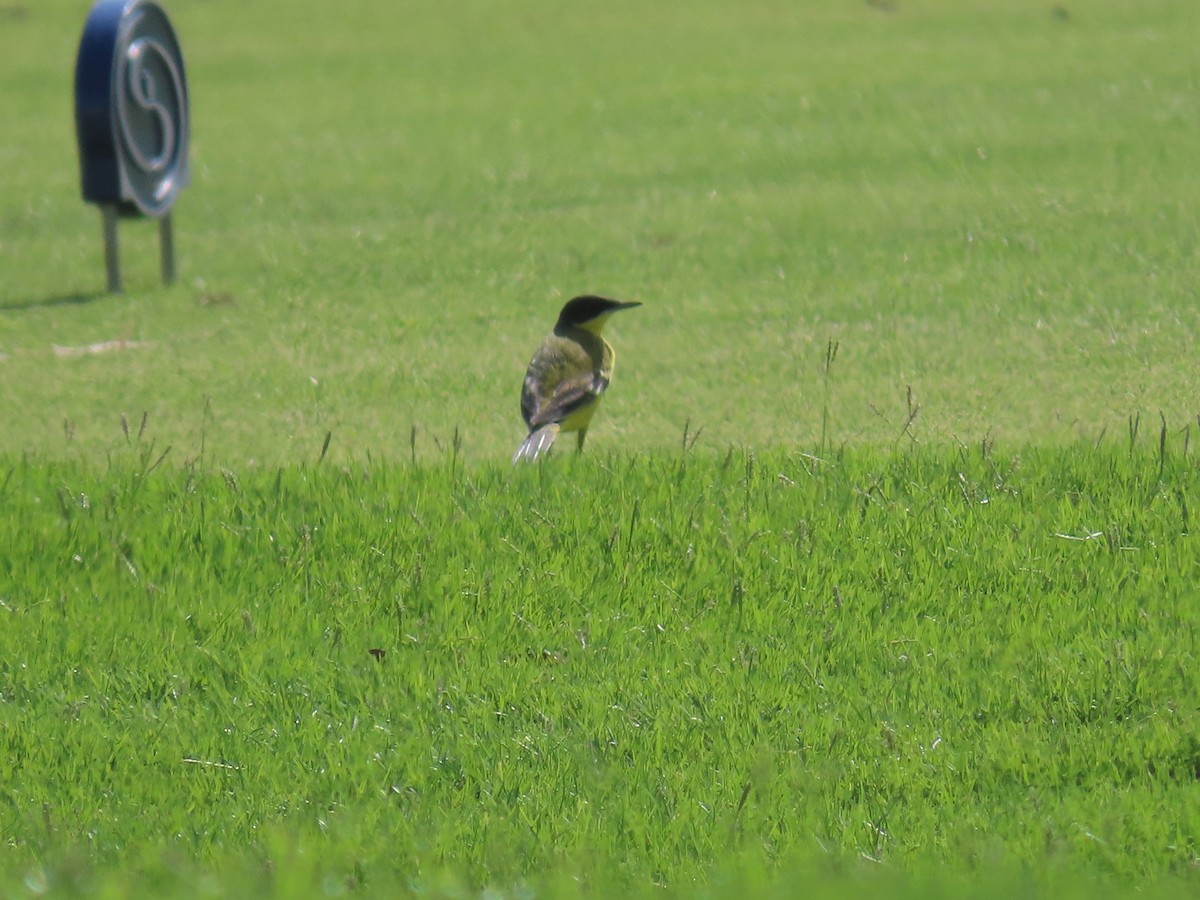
point(979, 200)
point(911, 613)
point(628, 671)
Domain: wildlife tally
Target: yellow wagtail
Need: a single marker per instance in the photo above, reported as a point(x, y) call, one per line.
point(567, 375)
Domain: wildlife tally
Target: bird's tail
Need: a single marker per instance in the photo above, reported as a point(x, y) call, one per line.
point(540, 441)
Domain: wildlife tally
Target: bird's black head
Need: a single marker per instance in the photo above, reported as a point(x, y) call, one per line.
point(582, 310)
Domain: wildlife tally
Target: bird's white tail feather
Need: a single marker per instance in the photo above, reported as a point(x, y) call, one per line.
point(540, 441)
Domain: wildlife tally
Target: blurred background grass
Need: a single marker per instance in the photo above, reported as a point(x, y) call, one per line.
point(993, 203)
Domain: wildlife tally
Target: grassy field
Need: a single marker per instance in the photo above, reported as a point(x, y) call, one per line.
point(628, 675)
point(984, 201)
point(877, 578)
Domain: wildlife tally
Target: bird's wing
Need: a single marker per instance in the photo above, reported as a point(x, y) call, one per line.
point(563, 377)
point(568, 395)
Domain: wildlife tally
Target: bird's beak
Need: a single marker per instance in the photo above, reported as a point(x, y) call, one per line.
point(630, 304)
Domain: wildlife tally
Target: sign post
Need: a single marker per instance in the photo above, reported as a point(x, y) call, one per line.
point(131, 121)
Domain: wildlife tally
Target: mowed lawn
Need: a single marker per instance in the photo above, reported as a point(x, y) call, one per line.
point(993, 204)
point(878, 576)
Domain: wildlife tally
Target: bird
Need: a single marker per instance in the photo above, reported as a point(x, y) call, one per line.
point(568, 375)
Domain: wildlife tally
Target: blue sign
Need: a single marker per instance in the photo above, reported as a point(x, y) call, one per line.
point(131, 108)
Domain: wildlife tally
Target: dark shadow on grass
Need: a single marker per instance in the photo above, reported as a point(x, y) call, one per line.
point(76, 299)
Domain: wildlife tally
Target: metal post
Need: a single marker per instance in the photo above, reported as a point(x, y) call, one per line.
point(166, 247)
point(112, 258)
